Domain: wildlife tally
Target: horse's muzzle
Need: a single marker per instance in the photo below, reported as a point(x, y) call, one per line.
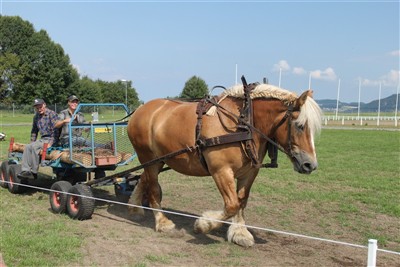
point(303, 163)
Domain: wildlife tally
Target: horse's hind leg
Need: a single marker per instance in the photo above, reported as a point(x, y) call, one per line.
point(137, 197)
point(163, 224)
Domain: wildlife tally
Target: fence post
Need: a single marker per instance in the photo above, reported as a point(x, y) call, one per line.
point(372, 248)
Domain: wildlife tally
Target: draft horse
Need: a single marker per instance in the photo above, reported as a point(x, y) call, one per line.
point(163, 126)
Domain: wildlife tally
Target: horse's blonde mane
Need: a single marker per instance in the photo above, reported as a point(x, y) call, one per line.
point(262, 90)
point(310, 112)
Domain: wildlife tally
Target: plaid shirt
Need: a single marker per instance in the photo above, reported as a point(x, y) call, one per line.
point(45, 125)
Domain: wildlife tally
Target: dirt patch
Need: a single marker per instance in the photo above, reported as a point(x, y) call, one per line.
point(113, 238)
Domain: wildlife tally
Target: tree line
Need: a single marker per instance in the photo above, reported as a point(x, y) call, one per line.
point(32, 65)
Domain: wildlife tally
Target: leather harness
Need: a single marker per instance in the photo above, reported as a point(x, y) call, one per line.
point(245, 128)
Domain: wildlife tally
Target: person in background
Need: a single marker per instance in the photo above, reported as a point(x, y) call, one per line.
point(64, 118)
point(43, 122)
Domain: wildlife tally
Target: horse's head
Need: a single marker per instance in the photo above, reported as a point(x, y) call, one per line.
point(295, 131)
point(292, 121)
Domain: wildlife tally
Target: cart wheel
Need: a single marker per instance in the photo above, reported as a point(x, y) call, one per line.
point(78, 205)
point(58, 200)
point(15, 184)
point(4, 169)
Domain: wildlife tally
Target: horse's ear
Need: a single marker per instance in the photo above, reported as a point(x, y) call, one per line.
point(302, 99)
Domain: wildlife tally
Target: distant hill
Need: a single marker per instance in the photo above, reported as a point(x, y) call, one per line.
point(388, 104)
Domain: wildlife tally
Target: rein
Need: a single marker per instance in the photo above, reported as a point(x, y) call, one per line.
point(127, 116)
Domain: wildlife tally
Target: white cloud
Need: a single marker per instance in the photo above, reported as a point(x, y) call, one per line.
point(395, 53)
point(368, 82)
point(281, 65)
point(299, 71)
point(392, 78)
point(328, 74)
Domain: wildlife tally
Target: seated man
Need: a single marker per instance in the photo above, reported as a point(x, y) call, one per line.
point(43, 121)
point(65, 116)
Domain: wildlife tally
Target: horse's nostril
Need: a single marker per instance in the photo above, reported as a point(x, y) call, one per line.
point(308, 167)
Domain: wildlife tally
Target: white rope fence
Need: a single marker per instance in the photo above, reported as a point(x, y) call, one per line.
point(372, 243)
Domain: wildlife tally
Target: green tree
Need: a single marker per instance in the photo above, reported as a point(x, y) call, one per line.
point(9, 75)
point(32, 65)
point(39, 67)
point(115, 92)
point(89, 91)
point(195, 87)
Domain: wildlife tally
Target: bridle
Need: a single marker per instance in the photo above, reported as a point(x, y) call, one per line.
point(288, 116)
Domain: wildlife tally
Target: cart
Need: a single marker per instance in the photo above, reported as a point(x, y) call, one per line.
point(103, 146)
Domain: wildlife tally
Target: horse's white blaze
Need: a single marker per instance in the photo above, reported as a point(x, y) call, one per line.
point(313, 146)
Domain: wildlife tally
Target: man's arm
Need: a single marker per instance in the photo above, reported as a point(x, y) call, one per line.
point(61, 120)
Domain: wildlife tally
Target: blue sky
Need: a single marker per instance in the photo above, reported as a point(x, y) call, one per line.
point(159, 45)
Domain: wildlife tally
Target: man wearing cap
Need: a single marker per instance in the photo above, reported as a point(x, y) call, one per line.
point(43, 122)
point(64, 118)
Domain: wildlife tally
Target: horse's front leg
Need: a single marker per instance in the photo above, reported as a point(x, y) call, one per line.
point(210, 220)
point(237, 232)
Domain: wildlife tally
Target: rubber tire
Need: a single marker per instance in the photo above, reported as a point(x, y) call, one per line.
point(4, 169)
point(58, 200)
point(80, 208)
point(13, 171)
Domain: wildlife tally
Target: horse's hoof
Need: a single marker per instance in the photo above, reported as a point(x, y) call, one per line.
point(165, 226)
point(206, 223)
point(202, 226)
point(241, 236)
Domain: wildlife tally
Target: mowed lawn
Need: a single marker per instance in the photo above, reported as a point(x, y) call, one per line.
point(353, 194)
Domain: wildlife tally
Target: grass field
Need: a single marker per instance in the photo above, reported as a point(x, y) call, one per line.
point(354, 194)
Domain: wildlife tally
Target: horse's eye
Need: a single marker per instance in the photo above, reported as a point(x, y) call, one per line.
point(299, 127)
